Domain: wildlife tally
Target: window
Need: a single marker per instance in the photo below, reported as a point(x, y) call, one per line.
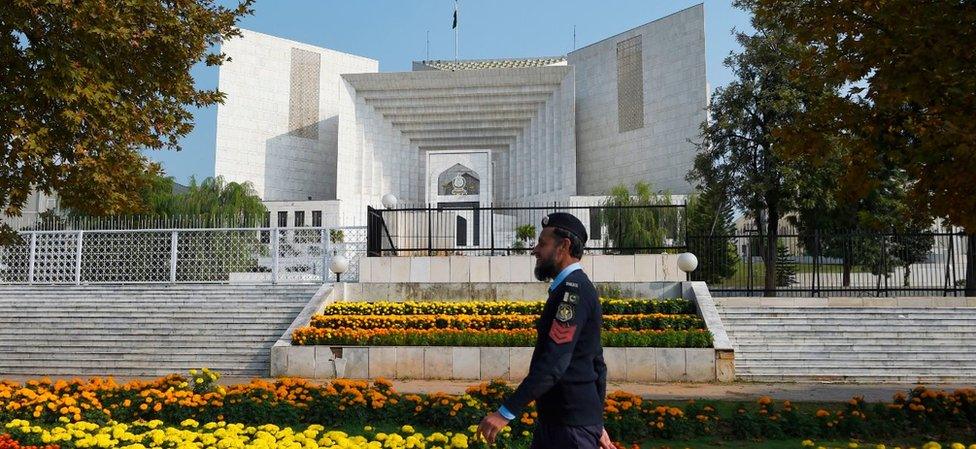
point(282, 219)
point(299, 218)
point(266, 235)
point(303, 101)
point(317, 218)
point(596, 223)
point(462, 231)
point(630, 84)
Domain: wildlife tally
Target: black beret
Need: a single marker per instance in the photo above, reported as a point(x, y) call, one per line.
point(567, 222)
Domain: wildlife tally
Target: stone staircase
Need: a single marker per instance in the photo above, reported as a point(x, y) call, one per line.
point(852, 344)
point(149, 330)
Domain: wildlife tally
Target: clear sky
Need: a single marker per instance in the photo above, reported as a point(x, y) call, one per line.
point(394, 33)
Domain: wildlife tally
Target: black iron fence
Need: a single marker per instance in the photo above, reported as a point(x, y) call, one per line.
point(835, 263)
point(472, 229)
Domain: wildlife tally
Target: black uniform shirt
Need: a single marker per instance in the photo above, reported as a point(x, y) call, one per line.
point(567, 376)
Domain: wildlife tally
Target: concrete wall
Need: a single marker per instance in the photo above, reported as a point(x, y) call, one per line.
point(505, 269)
point(484, 363)
point(373, 158)
point(675, 96)
point(255, 139)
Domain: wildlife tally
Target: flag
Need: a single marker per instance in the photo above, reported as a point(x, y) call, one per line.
point(455, 15)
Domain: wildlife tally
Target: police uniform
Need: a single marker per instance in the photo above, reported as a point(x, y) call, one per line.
point(567, 376)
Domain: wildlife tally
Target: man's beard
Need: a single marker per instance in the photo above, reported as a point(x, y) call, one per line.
point(546, 270)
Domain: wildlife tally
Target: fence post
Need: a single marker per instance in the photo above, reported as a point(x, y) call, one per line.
point(430, 231)
point(81, 235)
point(491, 220)
point(174, 237)
point(32, 258)
point(325, 239)
point(815, 282)
point(274, 255)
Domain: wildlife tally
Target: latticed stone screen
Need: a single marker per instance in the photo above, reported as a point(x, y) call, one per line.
point(303, 104)
point(630, 84)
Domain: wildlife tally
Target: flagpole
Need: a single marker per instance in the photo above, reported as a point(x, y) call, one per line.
point(458, 25)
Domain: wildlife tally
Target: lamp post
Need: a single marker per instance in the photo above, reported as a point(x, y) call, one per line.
point(687, 262)
point(389, 201)
point(339, 265)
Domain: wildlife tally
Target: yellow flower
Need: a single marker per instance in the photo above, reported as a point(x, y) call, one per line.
point(407, 429)
point(806, 443)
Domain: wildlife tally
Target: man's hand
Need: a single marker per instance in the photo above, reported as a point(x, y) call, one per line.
point(605, 442)
point(491, 426)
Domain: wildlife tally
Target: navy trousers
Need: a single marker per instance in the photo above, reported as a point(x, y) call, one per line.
point(566, 437)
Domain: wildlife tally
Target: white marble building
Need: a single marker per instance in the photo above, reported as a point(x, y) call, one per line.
point(308, 125)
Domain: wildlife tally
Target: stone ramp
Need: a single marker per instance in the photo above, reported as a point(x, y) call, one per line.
point(823, 341)
point(149, 330)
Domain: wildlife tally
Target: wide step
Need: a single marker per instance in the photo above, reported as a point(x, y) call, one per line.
point(150, 330)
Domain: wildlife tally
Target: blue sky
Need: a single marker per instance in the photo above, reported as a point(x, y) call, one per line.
point(394, 32)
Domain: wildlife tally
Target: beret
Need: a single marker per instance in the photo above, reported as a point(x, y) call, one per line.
point(566, 221)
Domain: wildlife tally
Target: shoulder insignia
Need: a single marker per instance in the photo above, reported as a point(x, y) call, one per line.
point(572, 284)
point(562, 332)
point(570, 298)
point(565, 312)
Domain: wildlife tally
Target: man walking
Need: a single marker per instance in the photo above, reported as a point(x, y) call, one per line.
point(567, 376)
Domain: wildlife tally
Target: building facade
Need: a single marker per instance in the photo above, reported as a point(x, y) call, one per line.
point(309, 124)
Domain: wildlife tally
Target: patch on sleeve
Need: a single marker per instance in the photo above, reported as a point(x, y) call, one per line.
point(565, 312)
point(571, 298)
point(562, 332)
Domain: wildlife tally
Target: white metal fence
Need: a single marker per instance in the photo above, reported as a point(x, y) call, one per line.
point(181, 255)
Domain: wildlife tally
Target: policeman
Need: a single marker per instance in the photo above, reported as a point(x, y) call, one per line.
point(567, 376)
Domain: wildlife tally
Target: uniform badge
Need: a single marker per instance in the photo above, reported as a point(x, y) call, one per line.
point(562, 332)
point(570, 298)
point(565, 312)
point(572, 284)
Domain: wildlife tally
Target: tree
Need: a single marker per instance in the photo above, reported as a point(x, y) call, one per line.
point(785, 266)
point(908, 71)
point(523, 234)
point(711, 235)
point(738, 149)
point(877, 232)
point(634, 221)
point(86, 85)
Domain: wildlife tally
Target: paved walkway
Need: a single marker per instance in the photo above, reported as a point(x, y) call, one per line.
point(745, 391)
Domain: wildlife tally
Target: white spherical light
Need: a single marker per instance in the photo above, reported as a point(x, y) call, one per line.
point(687, 262)
point(339, 265)
point(389, 201)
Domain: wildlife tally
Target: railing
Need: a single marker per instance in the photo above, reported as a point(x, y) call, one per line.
point(471, 229)
point(836, 263)
point(214, 255)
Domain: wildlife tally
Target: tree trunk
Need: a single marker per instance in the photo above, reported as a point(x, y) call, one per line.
point(971, 265)
point(848, 259)
point(908, 270)
point(772, 232)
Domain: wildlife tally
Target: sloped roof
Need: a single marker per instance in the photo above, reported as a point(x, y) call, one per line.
point(481, 64)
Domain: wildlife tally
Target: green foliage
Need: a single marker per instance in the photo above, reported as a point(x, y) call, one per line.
point(88, 85)
point(499, 322)
point(739, 150)
point(631, 227)
point(609, 307)
point(695, 338)
point(525, 232)
point(785, 266)
point(710, 235)
point(337, 235)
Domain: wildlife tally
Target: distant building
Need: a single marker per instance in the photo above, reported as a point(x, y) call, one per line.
point(315, 129)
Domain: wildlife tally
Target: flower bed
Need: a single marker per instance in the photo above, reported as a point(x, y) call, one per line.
point(180, 412)
point(626, 323)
